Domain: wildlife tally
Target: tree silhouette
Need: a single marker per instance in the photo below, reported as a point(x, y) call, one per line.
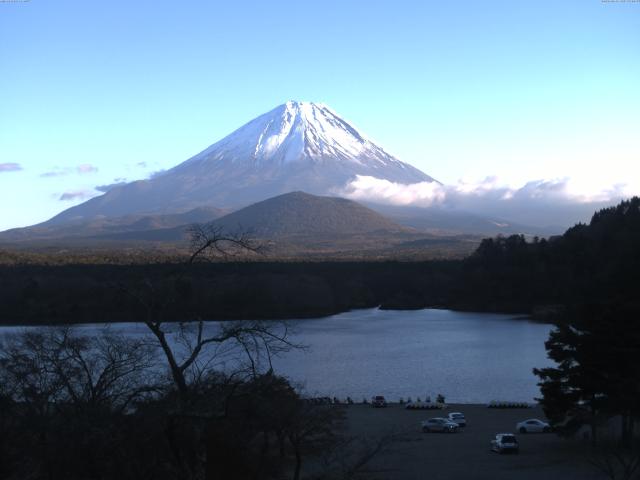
point(596, 347)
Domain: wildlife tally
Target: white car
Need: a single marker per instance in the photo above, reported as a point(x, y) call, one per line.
point(505, 443)
point(533, 425)
point(439, 425)
point(458, 417)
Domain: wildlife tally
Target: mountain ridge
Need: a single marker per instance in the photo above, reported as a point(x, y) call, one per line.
point(116, 225)
point(296, 146)
point(300, 213)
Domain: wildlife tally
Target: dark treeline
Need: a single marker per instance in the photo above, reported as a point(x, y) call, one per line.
point(596, 342)
point(33, 294)
point(505, 274)
point(599, 260)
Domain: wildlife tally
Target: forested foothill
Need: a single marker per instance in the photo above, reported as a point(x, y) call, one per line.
point(598, 261)
point(505, 274)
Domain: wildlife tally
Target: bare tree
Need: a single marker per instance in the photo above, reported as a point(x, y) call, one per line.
point(616, 462)
point(258, 341)
point(58, 366)
point(350, 458)
point(211, 241)
point(66, 396)
point(311, 425)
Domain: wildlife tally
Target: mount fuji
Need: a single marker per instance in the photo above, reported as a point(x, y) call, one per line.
point(297, 146)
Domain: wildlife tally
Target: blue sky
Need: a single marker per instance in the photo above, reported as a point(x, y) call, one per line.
point(97, 92)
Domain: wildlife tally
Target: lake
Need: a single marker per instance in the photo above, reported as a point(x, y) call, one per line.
point(468, 357)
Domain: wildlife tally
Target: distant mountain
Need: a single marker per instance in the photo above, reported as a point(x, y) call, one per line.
point(112, 227)
point(300, 225)
point(443, 221)
point(296, 146)
point(291, 214)
point(300, 213)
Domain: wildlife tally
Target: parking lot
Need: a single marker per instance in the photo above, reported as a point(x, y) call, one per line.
point(466, 454)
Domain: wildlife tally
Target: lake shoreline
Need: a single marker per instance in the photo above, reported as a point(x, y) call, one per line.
point(517, 316)
point(398, 354)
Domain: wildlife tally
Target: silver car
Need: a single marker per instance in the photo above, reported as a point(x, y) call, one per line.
point(533, 425)
point(439, 425)
point(505, 443)
point(458, 418)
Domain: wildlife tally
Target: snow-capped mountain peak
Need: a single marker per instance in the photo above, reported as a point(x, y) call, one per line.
point(292, 132)
point(297, 146)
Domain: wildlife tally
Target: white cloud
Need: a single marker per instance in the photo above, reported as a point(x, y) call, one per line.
point(561, 201)
point(118, 182)
point(86, 168)
point(376, 189)
point(81, 169)
point(76, 195)
point(56, 172)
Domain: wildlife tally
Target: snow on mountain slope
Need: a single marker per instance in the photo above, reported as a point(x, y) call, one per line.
point(297, 146)
point(297, 132)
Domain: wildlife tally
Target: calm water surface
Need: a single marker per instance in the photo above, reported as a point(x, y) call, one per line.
point(468, 357)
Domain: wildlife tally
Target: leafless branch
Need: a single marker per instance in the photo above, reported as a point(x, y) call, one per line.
point(350, 458)
point(209, 240)
point(617, 463)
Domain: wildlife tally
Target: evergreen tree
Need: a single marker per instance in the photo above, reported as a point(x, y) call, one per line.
point(596, 348)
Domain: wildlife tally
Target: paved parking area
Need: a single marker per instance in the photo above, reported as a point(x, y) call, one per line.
point(466, 454)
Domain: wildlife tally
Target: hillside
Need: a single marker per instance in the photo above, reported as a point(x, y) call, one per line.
point(300, 213)
point(442, 221)
point(110, 227)
point(290, 226)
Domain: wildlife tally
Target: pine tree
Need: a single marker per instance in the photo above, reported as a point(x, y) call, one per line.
point(596, 348)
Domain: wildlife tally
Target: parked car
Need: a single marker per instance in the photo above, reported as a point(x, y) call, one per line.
point(533, 425)
point(505, 443)
point(439, 425)
point(378, 401)
point(459, 418)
